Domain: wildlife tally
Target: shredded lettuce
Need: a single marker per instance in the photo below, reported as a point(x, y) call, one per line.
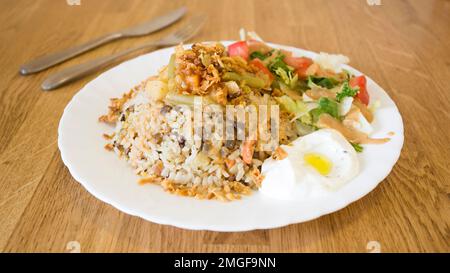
point(278, 62)
point(258, 55)
point(284, 72)
point(321, 82)
point(296, 107)
point(304, 128)
point(325, 106)
point(306, 119)
point(311, 84)
point(287, 77)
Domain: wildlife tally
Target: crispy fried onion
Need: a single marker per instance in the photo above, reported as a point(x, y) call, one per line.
point(198, 69)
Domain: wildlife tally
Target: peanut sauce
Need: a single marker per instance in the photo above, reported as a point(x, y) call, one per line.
point(352, 135)
point(317, 94)
point(364, 110)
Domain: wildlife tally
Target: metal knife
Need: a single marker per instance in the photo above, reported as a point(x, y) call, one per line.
point(44, 62)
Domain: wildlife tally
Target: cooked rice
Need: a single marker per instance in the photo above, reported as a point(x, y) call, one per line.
point(150, 136)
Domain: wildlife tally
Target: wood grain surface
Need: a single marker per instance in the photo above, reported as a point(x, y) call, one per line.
point(403, 45)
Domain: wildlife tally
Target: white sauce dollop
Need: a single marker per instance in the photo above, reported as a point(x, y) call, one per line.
point(294, 179)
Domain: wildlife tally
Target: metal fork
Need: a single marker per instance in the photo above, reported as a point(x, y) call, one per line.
point(78, 71)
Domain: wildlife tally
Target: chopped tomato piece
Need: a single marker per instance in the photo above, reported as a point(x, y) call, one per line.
point(361, 82)
point(300, 64)
point(239, 49)
point(260, 65)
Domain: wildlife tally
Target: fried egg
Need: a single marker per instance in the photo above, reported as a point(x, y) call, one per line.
point(317, 163)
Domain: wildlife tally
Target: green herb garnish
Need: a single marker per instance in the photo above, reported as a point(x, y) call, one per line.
point(346, 91)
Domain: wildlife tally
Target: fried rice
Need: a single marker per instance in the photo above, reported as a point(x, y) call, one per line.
point(150, 131)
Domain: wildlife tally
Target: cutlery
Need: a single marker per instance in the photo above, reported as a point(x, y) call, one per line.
point(151, 26)
point(78, 71)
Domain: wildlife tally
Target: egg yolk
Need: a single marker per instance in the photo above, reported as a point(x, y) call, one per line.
point(318, 162)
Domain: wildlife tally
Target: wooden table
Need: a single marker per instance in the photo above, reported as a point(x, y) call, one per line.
point(402, 45)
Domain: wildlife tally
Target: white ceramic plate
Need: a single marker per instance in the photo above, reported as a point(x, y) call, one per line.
point(111, 180)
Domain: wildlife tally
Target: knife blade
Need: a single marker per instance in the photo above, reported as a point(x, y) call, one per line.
point(47, 61)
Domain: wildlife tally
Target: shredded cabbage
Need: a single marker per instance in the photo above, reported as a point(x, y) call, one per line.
point(332, 62)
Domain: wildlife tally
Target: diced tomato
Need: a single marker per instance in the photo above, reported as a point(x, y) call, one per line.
point(260, 65)
point(300, 64)
point(239, 49)
point(361, 82)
